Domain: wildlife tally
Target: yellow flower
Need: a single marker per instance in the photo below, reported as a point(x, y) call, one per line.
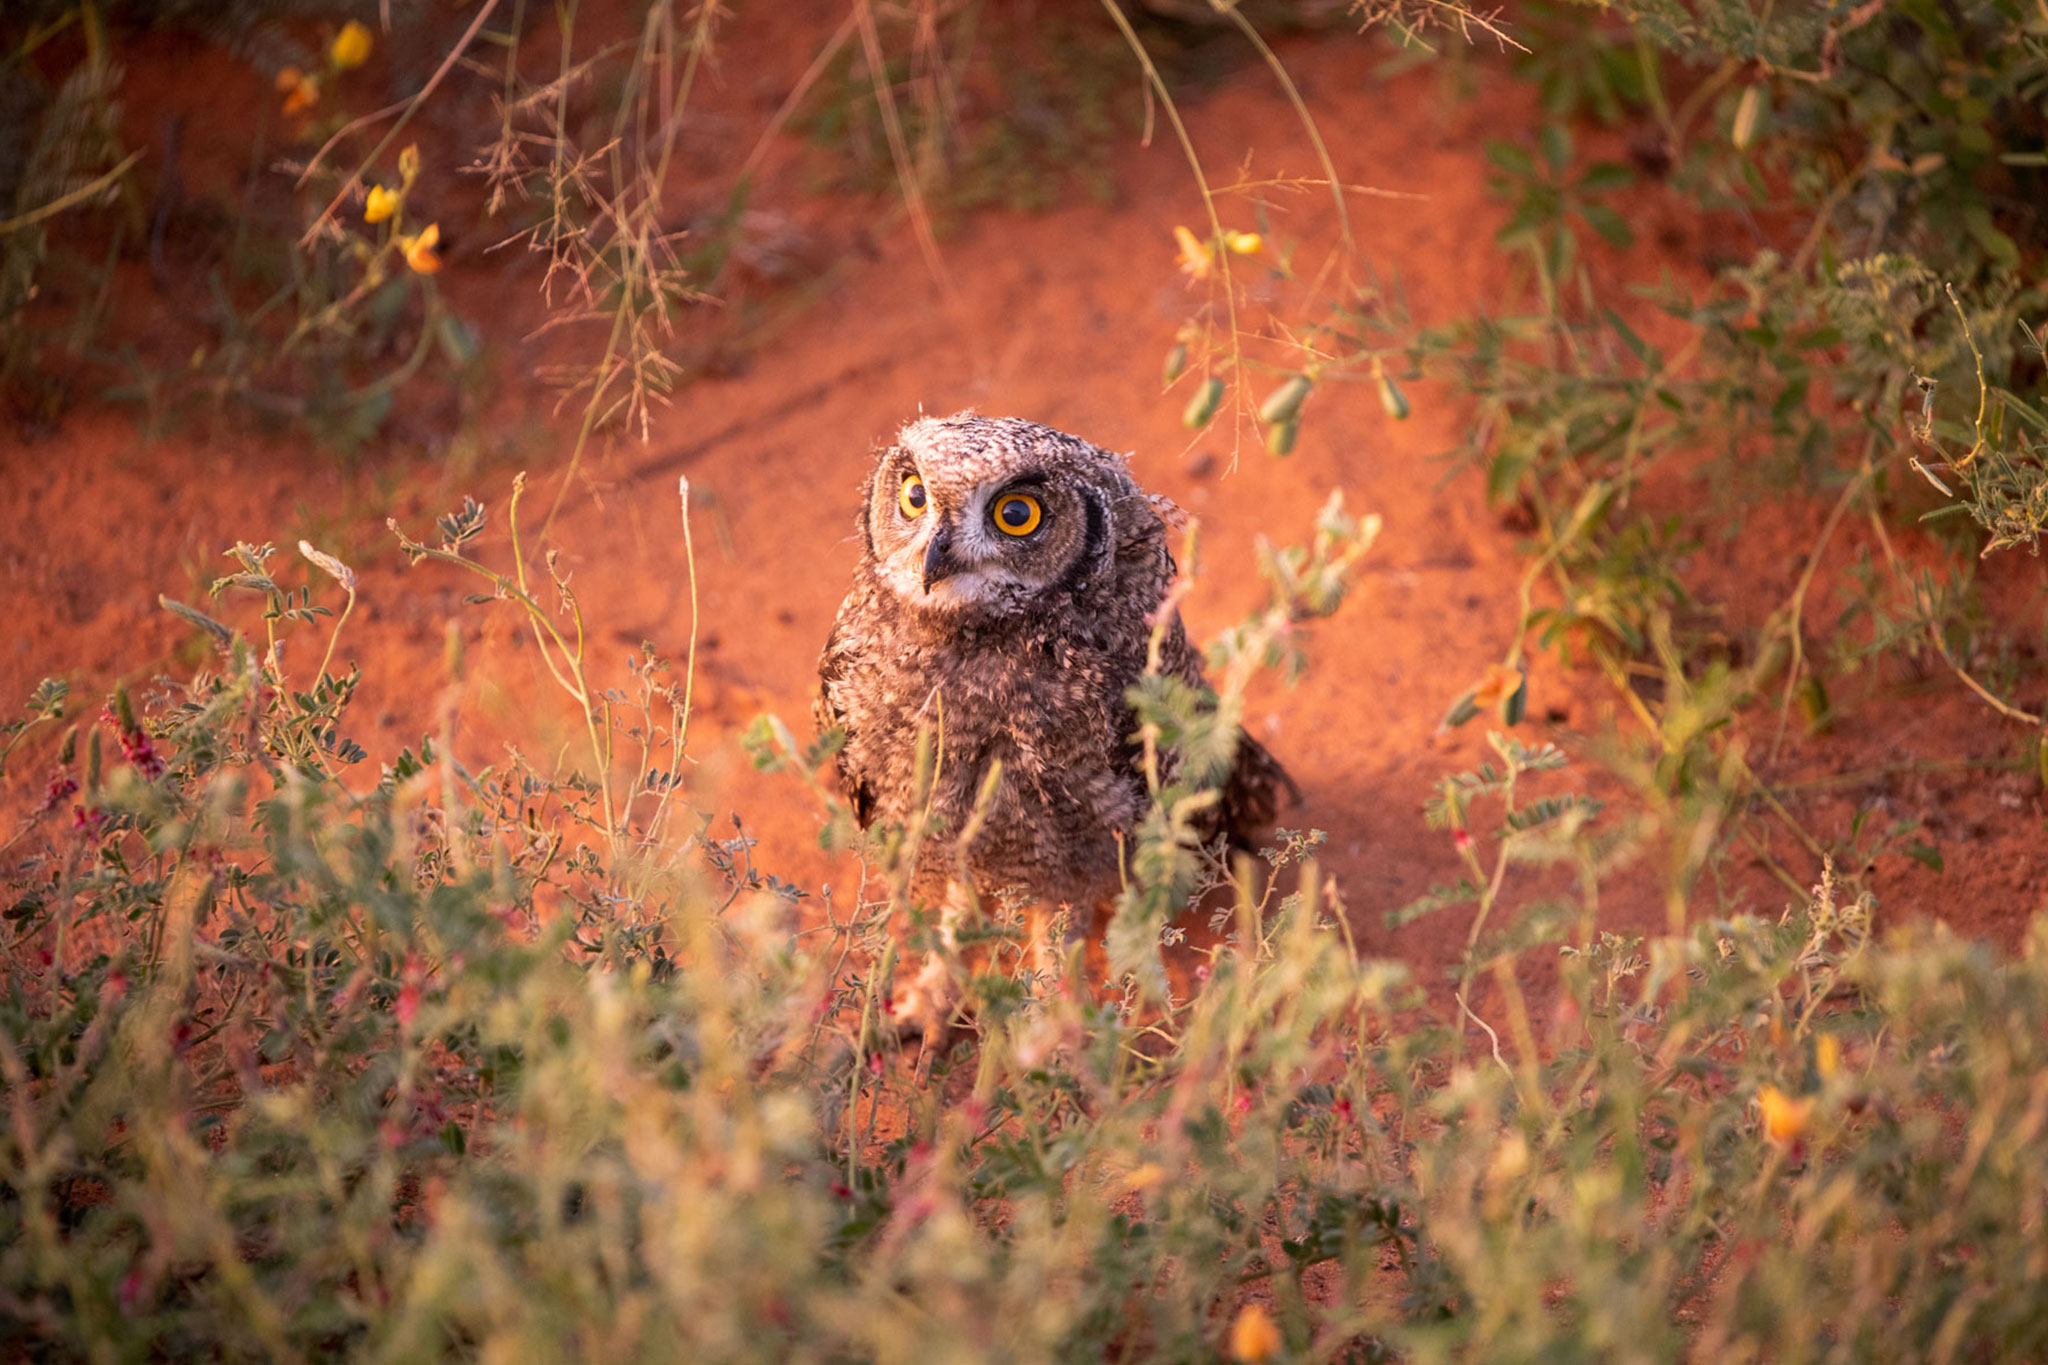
point(1195, 256)
point(419, 251)
point(1785, 1118)
point(1253, 1336)
point(383, 203)
point(1510, 1160)
point(1827, 1056)
point(351, 47)
point(1499, 684)
point(301, 91)
point(1244, 243)
point(1145, 1176)
point(408, 166)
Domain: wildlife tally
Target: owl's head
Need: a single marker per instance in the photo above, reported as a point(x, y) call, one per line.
point(979, 516)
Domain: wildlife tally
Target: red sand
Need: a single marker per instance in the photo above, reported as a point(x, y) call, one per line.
point(1063, 317)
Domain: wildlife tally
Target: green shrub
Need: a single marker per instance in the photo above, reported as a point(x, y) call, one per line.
point(508, 1062)
point(1873, 346)
point(502, 1064)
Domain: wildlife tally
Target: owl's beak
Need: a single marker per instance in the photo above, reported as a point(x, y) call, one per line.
point(939, 562)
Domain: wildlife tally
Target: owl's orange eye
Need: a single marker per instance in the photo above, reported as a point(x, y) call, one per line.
point(912, 498)
point(1018, 514)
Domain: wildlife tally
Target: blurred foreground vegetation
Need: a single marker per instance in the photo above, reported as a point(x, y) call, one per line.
point(524, 1066)
point(309, 1051)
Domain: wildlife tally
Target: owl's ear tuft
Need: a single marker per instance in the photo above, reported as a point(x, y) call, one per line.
point(1172, 513)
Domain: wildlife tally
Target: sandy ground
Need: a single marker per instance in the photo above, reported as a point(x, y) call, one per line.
point(1063, 317)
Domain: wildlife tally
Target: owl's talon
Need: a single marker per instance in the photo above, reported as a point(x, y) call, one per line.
point(925, 1009)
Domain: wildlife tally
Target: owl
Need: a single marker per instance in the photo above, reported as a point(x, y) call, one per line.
point(1009, 582)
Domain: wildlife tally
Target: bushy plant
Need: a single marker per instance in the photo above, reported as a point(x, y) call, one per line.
point(442, 1061)
point(1875, 347)
point(436, 1060)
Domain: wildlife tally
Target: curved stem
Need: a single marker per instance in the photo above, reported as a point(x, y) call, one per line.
point(1187, 147)
point(1308, 122)
point(63, 202)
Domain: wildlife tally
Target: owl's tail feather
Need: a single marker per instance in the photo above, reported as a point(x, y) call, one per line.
point(1251, 796)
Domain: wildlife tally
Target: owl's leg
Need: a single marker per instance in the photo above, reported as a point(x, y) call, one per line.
point(1046, 954)
point(927, 1005)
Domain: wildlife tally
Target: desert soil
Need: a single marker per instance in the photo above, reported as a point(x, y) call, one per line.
point(1062, 316)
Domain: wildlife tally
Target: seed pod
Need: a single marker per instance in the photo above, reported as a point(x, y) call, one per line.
point(1392, 399)
point(1748, 110)
point(1280, 437)
point(1516, 703)
point(1771, 661)
point(1284, 403)
point(1462, 710)
point(1176, 364)
point(1203, 405)
point(1812, 695)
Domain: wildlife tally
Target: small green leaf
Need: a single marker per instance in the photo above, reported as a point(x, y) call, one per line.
point(1628, 336)
point(47, 700)
point(1392, 399)
point(196, 617)
point(1606, 175)
point(1612, 227)
point(458, 342)
point(1510, 158)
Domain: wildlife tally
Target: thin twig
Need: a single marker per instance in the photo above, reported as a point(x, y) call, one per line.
point(690, 667)
point(1798, 600)
point(1187, 147)
point(790, 103)
point(1308, 121)
point(1991, 699)
point(65, 201)
point(907, 177)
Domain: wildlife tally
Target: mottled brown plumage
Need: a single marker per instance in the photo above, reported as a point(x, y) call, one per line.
point(1011, 647)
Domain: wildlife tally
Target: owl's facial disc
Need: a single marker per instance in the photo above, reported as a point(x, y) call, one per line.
point(970, 517)
point(953, 558)
point(953, 550)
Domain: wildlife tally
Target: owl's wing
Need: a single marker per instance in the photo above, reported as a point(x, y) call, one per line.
point(829, 713)
point(1251, 794)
